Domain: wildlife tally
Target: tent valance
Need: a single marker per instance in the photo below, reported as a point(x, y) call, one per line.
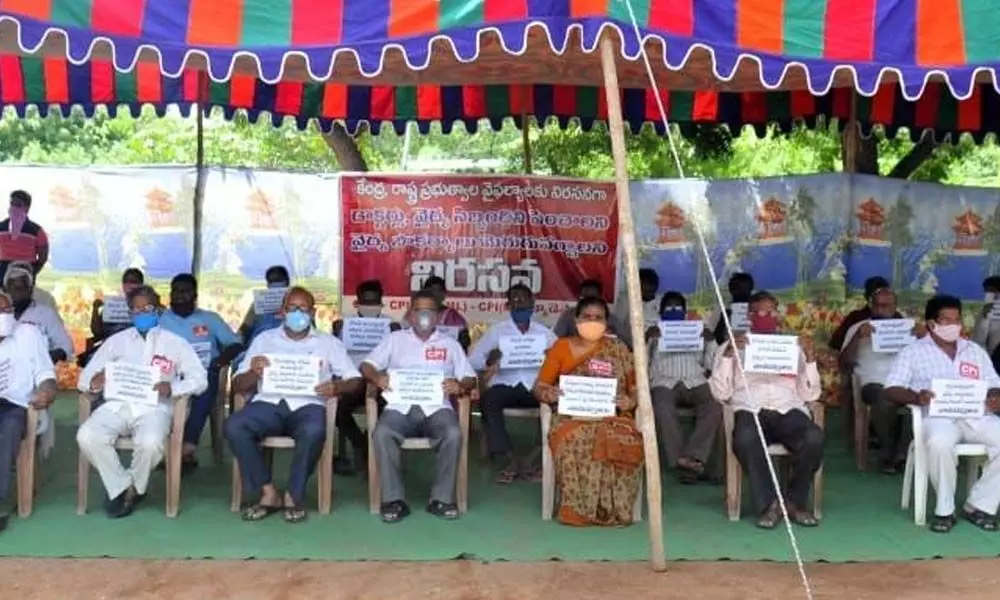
point(733, 45)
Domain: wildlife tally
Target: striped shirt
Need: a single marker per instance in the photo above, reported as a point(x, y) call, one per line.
point(23, 246)
point(667, 369)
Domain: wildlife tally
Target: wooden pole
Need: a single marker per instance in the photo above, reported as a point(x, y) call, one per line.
point(199, 189)
point(526, 142)
point(850, 139)
point(627, 235)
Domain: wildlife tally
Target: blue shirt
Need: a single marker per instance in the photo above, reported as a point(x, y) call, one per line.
point(261, 324)
point(205, 330)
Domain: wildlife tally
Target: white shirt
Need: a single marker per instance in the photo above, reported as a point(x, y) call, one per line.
point(667, 369)
point(24, 364)
point(986, 333)
point(923, 361)
point(650, 311)
point(872, 367)
point(404, 350)
point(44, 298)
point(47, 319)
point(491, 341)
point(177, 360)
point(781, 393)
point(334, 360)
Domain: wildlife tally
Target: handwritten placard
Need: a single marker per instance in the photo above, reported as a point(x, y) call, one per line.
point(204, 352)
point(362, 334)
point(115, 310)
point(522, 351)
point(772, 354)
point(682, 336)
point(268, 301)
point(449, 330)
point(958, 398)
point(415, 387)
point(739, 316)
point(6, 371)
point(587, 396)
point(291, 375)
point(135, 384)
point(891, 335)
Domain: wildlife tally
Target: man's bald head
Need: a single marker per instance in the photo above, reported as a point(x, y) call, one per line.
point(299, 298)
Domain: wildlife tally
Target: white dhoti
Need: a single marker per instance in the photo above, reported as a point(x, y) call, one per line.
point(98, 434)
point(941, 436)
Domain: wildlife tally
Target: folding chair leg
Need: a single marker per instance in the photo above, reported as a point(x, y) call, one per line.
point(237, 493)
point(26, 479)
point(82, 483)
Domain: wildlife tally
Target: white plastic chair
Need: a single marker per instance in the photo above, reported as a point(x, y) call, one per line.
point(549, 473)
point(915, 477)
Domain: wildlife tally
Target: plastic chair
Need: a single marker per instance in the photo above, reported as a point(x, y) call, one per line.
point(175, 445)
point(549, 473)
point(217, 417)
point(324, 468)
point(734, 472)
point(862, 420)
point(915, 477)
point(27, 465)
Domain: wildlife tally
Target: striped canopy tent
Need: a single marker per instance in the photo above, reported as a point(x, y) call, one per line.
point(913, 63)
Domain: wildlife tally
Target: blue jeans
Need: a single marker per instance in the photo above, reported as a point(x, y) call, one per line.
point(201, 408)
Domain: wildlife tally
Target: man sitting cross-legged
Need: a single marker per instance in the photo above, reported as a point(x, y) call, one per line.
point(302, 418)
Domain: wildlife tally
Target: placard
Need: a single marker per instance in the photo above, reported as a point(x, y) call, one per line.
point(772, 354)
point(362, 334)
point(522, 351)
point(135, 384)
point(588, 396)
point(415, 387)
point(449, 330)
point(204, 352)
point(291, 375)
point(958, 398)
point(682, 336)
point(891, 335)
point(268, 301)
point(739, 316)
point(116, 310)
point(6, 371)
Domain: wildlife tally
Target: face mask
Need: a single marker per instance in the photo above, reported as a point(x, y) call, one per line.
point(766, 323)
point(276, 285)
point(297, 321)
point(672, 313)
point(369, 311)
point(18, 215)
point(7, 323)
point(947, 333)
point(145, 321)
point(591, 330)
point(522, 316)
point(990, 297)
point(424, 321)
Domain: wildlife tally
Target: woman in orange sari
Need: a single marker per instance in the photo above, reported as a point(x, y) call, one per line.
point(598, 463)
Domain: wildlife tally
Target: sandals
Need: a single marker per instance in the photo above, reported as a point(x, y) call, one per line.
point(770, 518)
point(295, 514)
point(690, 470)
point(394, 512)
point(801, 517)
point(941, 524)
point(508, 475)
point(258, 512)
point(980, 519)
point(448, 512)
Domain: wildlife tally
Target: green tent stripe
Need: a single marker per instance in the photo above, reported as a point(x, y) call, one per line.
point(947, 114)
point(33, 73)
point(406, 102)
point(126, 88)
point(803, 28)
point(218, 93)
point(312, 100)
point(266, 23)
point(71, 13)
point(681, 105)
point(461, 13)
point(497, 101)
point(981, 22)
point(863, 108)
point(588, 101)
point(619, 12)
point(779, 106)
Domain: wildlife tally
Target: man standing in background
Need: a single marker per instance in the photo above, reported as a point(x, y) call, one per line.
point(20, 237)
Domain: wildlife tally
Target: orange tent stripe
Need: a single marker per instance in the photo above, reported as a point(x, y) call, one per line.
point(588, 8)
point(937, 44)
point(215, 22)
point(412, 17)
point(759, 25)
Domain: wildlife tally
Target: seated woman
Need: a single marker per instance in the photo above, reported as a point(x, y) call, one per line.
point(598, 463)
point(131, 279)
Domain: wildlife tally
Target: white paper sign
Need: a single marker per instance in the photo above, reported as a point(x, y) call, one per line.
point(115, 310)
point(891, 335)
point(268, 301)
point(958, 398)
point(291, 375)
point(363, 334)
point(415, 387)
point(204, 352)
point(449, 330)
point(739, 316)
point(131, 383)
point(772, 354)
point(6, 370)
point(522, 351)
point(587, 396)
point(682, 336)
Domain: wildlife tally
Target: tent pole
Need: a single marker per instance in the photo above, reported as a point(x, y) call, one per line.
point(526, 142)
point(627, 235)
point(199, 189)
point(850, 139)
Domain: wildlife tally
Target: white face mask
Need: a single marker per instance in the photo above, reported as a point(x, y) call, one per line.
point(990, 297)
point(947, 333)
point(7, 324)
point(369, 312)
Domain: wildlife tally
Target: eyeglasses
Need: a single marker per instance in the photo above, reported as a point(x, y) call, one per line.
point(149, 308)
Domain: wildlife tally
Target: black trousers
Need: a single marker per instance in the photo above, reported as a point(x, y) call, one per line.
point(894, 431)
point(494, 401)
point(797, 432)
point(13, 420)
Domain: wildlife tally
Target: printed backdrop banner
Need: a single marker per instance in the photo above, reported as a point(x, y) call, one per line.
point(482, 234)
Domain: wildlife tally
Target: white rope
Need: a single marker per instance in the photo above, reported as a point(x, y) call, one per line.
point(722, 305)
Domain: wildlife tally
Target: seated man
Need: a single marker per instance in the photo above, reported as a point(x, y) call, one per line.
point(741, 286)
point(38, 295)
point(20, 284)
point(508, 387)
point(369, 306)
point(302, 418)
point(449, 319)
point(780, 403)
point(216, 345)
point(871, 368)
point(872, 285)
point(145, 343)
point(30, 381)
point(678, 379)
point(945, 355)
point(649, 285)
point(253, 324)
point(566, 325)
point(986, 331)
point(420, 346)
point(131, 279)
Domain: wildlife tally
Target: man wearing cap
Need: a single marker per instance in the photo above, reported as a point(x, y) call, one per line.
point(20, 284)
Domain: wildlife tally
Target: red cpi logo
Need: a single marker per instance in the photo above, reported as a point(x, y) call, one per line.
point(436, 354)
point(165, 364)
point(200, 330)
point(600, 368)
point(968, 370)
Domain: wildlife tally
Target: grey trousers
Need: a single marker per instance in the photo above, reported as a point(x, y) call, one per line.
point(708, 416)
point(894, 430)
point(13, 420)
point(446, 440)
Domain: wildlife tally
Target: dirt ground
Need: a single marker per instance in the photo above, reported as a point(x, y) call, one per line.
point(26, 579)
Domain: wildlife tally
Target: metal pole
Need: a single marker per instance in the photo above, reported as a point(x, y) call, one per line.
point(199, 189)
point(627, 235)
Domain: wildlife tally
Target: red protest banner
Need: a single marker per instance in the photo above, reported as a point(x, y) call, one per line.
point(482, 234)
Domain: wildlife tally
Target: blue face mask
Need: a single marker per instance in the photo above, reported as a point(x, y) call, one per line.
point(672, 313)
point(145, 321)
point(425, 321)
point(522, 316)
point(297, 321)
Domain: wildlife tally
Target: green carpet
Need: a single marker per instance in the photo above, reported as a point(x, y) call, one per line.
point(862, 522)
